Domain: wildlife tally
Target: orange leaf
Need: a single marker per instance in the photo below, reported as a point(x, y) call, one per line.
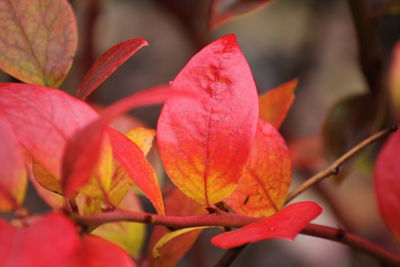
point(12, 171)
point(275, 103)
point(387, 183)
point(177, 204)
point(107, 63)
point(204, 141)
point(142, 137)
point(265, 181)
point(54, 200)
point(38, 40)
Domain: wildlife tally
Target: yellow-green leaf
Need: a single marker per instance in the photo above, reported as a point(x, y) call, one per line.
point(169, 236)
point(38, 40)
point(128, 235)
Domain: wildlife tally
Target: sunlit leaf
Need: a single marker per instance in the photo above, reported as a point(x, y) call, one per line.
point(285, 224)
point(38, 40)
point(142, 137)
point(275, 103)
point(12, 170)
point(223, 10)
point(204, 141)
point(387, 183)
point(128, 235)
point(265, 180)
point(45, 242)
point(107, 63)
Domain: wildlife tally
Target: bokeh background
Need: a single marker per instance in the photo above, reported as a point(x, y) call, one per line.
point(312, 40)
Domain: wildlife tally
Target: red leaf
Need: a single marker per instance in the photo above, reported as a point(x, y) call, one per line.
point(43, 119)
point(83, 150)
point(132, 159)
point(107, 63)
point(204, 142)
point(223, 10)
point(285, 224)
point(387, 183)
point(97, 252)
point(12, 171)
point(46, 242)
point(265, 181)
point(38, 40)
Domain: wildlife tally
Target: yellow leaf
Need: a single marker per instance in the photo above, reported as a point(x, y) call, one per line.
point(275, 104)
point(142, 137)
point(128, 235)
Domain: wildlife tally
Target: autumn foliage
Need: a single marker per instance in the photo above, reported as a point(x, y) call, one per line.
point(218, 140)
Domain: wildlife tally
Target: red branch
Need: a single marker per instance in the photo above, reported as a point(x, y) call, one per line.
point(233, 220)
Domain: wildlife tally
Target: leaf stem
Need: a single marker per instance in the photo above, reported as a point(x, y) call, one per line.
point(234, 220)
point(334, 167)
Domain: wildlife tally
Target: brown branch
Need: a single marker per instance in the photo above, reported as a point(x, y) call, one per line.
point(353, 241)
point(233, 220)
point(334, 167)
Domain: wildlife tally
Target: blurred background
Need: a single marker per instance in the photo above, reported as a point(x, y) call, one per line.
point(334, 107)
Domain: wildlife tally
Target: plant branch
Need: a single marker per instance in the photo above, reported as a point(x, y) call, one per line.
point(370, 56)
point(334, 167)
point(229, 256)
point(353, 241)
point(234, 220)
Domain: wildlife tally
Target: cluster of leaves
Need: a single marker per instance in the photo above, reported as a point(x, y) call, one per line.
point(218, 141)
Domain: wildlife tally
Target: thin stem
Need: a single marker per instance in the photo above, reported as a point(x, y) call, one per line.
point(370, 56)
point(353, 241)
point(334, 167)
point(234, 220)
point(229, 256)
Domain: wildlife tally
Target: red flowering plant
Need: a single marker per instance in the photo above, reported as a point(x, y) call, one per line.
point(218, 141)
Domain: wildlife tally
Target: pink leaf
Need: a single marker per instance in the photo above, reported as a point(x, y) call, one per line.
point(204, 142)
point(45, 242)
point(43, 119)
point(387, 183)
point(107, 63)
point(285, 224)
point(97, 252)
